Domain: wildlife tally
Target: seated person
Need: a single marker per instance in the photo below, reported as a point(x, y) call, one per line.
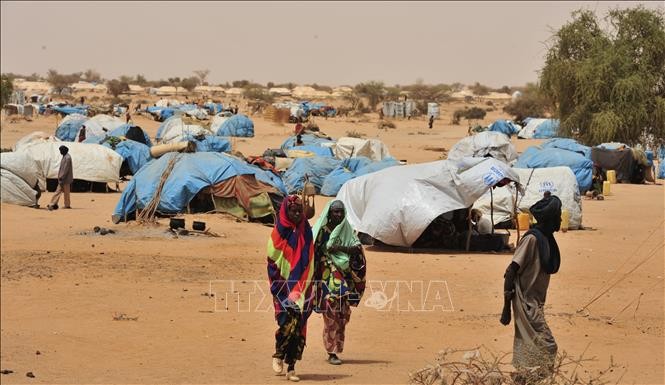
point(481, 224)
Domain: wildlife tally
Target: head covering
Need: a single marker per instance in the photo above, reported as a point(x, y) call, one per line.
point(291, 259)
point(63, 149)
point(547, 210)
point(336, 205)
point(341, 235)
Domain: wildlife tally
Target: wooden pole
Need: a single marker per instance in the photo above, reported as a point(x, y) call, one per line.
point(517, 224)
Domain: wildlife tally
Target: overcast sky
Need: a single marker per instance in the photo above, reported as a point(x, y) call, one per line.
point(333, 43)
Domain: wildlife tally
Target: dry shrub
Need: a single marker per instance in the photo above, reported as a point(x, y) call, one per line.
point(480, 366)
point(355, 134)
point(384, 125)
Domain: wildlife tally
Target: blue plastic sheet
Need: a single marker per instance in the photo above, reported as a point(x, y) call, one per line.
point(661, 170)
point(237, 125)
point(307, 139)
point(190, 174)
point(317, 168)
point(209, 143)
point(568, 144)
point(134, 153)
point(535, 157)
point(504, 127)
point(122, 131)
point(67, 131)
point(66, 110)
point(317, 150)
point(352, 168)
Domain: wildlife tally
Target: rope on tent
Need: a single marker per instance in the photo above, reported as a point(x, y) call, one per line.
point(147, 215)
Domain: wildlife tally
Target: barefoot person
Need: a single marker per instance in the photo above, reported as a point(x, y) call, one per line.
point(526, 281)
point(65, 179)
point(290, 271)
point(340, 272)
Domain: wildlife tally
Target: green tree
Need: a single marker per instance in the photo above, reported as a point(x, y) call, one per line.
point(6, 89)
point(190, 83)
point(374, 92)
point(116, 87)
point(532, 103)
point(57, 80)
point(608, 85)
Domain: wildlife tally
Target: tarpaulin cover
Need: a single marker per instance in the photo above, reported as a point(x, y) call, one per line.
point(191, 173)
point(33, 138)
point(505, 127)
point(99, 126)
point(395, 205)
point(317, 168)
point(536, 157)
point(560, 181)
point(136, 154)
point(67, 110)
point(308, 140)
point(613, 145)
point(174, 130)
point(539, 129)
point(347, 147)
point(132, 131)
point(494, 144)
point(316, 150)
point(69, 127)
point(237, 125)
point(209, 143)
point(661, 170)
point(213, 108)
point(16, 191)
point(568, 144)
point(352, 168)
point(22, 165)
point(621, 161)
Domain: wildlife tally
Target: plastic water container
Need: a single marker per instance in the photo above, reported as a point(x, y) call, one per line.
point(606, 188)
point(611, 176)
point(565, 220)
point(523, 221)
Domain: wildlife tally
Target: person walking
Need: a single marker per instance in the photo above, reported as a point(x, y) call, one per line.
point(431, 121)
point(340, 275)
point(65, 179)
point(290, 272)
point(526, 281)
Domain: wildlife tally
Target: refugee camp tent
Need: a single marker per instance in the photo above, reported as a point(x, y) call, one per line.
point(536, 157)
point(198, 113)
point(90, 162)
point(613, 146)
point(373, 149)
point(309, 150)
point(175, 130)
point(167, 103)
point(134, 154)
point(69, 127)
point(224, 176)
point(351, 168)
point(237, 125)
point(486, 143)
point(308, 140)
point(539, 129)
point(623, 162)
point(568, 144)
point(16, 191)
point(218, 120)
point(98, 127)
point(505, 127)
point(560, 181)
point(68, 110)
point(395, 205)
point(33, 138)
point(208, 143)
point(23, 166)
point(316, 168)
point(131, 132)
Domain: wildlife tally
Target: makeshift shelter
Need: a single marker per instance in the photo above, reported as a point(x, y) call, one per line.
point(560, 181)
point(568, 144)
point(623, 162)
point(396, 205)
point(69, 127)
point(68, 110)
point(33, 138)
point(98, 127)
point(373, 149)
point(134, 154)
point(175, 130)
point(203, 182)
point(536, 157)
point(16, 191)
point(236, 125)
point(316, 168)
point(351, 168)
point(23, 166)
point(91, 162)
point(308, 140)
point(539, 129)
point(167, 103)
point(484, 144)
point(131, 132)
point(208, 143)
point(505, 127)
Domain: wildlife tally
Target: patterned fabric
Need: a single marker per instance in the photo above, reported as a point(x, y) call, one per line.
point(335, 319)
point(290, 271)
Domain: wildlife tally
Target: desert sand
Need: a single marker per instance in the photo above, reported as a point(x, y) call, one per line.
point(62, 286)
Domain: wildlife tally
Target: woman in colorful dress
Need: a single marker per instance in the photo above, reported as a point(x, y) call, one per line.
point(290, 271)
point(340, 275)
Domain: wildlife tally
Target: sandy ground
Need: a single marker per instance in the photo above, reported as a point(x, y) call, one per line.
point(62, 286)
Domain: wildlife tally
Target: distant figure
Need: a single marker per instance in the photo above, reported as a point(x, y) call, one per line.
point(81, 134)
point(65, 179)
point(431, 121)
point(235, 110)
point(82, 100)
point(381, 114)
point(299, 128)
point(299, 141)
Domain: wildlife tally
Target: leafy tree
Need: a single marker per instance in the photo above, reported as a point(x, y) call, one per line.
point(480, 89)
point(116, 87)
point(270, 84)
point(374, 92)
point(91, 75)
point(140, 80)
point(189, 83)
point(6, 89)
point(609, 85)
point(532, 103)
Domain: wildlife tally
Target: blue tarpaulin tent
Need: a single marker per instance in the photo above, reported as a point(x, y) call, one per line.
point(307, 139)
point(209, 143)
point(237, 125)
point(213, 108)
point(316, 150)
point(190, 174)
point(122, 131)
point(134, 153)
point(69, 127)
point(536, 128)
point(66, 110)
point(536, 157)
point(317, 168)
point(351, 168)
point(568, 144)
point(505, 127)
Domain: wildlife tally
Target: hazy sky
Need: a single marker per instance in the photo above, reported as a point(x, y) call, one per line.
point(333, 43)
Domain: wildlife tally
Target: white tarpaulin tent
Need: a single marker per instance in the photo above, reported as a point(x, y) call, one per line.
point(492, 143)
point(94, 127)
point(175, 130)
point(395, 205)
point(15, 190)
point(33, 138)
point(91, 162)
point(22, 165)
point(347, 147)
point(217, 121)
point(560, 181)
